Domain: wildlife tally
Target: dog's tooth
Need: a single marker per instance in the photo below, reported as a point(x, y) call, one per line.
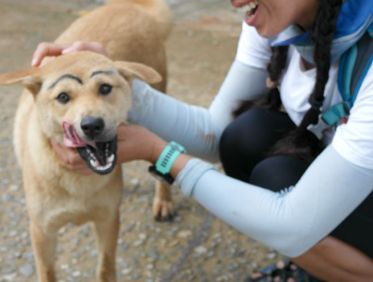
point(94, 163)
point(92, 156)
point(111, 158)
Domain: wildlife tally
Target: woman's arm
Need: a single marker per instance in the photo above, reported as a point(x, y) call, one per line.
point(196, 128)
point(291, 221)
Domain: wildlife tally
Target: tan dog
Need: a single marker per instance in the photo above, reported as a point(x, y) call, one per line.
point(79, 99)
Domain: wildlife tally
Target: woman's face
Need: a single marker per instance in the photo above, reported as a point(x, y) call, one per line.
point(270, 17)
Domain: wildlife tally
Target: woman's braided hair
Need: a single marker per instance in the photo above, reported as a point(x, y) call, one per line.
point(301, 142)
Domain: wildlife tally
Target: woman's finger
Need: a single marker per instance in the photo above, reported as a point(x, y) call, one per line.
point(85, 46)
point(46, 49)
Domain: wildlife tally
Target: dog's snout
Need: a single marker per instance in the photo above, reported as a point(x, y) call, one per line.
point(92, 126)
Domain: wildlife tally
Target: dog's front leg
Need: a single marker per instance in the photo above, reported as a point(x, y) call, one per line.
point(44, 246)
point(162, 202)
point(106, 238)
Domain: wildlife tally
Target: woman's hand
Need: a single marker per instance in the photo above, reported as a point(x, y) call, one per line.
point(138, 143)
point(69, 158)
point(47, 49)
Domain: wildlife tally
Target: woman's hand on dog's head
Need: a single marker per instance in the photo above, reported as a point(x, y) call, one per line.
point(49, 49)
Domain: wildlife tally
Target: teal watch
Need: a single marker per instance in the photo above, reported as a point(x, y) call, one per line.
point(162, 167)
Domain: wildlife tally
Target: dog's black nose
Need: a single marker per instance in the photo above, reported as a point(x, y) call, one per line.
point(92, 126)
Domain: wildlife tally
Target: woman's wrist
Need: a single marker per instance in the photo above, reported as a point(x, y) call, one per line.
point(156, 150)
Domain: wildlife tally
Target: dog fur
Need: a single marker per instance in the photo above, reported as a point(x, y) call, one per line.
point(130, 30)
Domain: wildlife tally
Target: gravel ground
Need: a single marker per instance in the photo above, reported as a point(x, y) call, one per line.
point(196, 246)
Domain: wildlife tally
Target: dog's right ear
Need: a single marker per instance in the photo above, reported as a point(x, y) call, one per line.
point(30, 79)
point(136, 70)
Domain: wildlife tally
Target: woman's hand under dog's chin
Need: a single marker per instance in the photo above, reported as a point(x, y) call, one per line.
point(70, 159)
point(134, 143)
point(138, 143)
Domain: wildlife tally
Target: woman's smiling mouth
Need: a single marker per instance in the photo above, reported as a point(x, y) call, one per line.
point(250, 7)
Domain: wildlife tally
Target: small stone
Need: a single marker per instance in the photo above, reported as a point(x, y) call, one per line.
point(13, 188)
point(29, 256)
point(138, 243)
point(126, 271)
point(27, 270)
point(173, 243)
point(200, 250)
point(76, 274)
point(152, 256)
point(93, 253)
point(135, 182)
point(24, 235)
point(142, 236)
point(271, 255)
point(184, 234)
point(8, 277)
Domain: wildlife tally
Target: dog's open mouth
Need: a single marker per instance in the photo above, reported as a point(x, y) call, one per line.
point(100, 156)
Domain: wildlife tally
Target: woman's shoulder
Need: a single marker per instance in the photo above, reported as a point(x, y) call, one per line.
point(253, 49)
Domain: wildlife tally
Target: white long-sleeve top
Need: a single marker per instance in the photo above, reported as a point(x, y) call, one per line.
point(295, 219)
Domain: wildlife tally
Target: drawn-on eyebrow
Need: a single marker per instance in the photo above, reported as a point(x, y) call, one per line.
point(108, 72)
point(65, 76)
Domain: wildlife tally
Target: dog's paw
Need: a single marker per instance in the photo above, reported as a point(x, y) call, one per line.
point(162, 210)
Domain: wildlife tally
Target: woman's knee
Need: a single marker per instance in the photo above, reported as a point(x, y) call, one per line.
point(238, 148)
point(278, 172)
point(245, 135)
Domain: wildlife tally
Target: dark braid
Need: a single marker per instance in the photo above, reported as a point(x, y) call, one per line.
point(272, 100)
point(301, 142)
point(322, 36)
point(277, 63)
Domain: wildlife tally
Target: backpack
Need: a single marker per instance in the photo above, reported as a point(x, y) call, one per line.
point(353, 67)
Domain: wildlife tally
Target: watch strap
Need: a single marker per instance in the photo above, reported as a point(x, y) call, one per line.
point(168, 156)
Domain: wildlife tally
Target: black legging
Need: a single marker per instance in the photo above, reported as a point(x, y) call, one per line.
point(246, 142)
point(243, 151)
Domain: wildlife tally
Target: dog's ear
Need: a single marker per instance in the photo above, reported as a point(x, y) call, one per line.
point(136, 70)
point(28, 78)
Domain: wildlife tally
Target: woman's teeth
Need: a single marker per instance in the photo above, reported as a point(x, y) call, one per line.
point(250, 8)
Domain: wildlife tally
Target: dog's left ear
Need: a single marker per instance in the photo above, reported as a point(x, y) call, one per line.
point(136, 70)
point(28, 78)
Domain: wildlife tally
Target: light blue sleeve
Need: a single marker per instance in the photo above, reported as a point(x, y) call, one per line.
point(293, 220)
point(198, 129)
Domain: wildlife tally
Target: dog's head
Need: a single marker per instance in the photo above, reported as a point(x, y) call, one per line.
point(80, 99)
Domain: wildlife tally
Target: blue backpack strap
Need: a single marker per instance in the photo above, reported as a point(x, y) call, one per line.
point(353, 67)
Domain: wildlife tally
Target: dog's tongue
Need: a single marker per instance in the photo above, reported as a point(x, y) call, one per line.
point(71, 137)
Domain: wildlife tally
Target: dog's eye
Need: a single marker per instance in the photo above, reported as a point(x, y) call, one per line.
point(105, 89)
point(63, 98)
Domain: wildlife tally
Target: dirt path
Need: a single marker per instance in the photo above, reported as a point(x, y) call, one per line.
point(196, 246)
